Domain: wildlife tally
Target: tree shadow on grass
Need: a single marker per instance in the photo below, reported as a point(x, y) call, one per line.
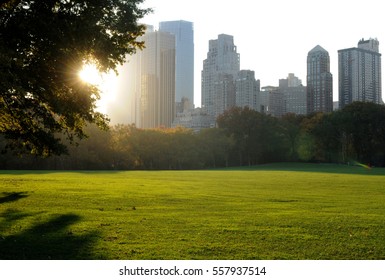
point(52, 239)
point(12, 196)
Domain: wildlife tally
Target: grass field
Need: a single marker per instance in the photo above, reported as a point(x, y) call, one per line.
point(278, 211)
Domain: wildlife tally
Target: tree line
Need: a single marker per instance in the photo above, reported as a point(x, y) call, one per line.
point(242, 137)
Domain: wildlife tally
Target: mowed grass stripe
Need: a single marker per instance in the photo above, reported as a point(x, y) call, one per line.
point(282, 211)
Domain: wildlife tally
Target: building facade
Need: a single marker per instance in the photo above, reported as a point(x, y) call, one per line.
point(294, 94)
point(359, 72)
point(247, 90)
point(184, 61)
point(293, 81)
point(220, 70)
point(295, 100)
point(195, 119)
point(319, 89)
point(271, 101)
point(148, 83)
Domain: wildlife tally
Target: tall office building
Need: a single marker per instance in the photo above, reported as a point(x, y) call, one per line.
point(184, 70)
point(220, 70)
point(360, 73)
point(247, 90)
point(294, 95)
point(148, 82)
point(319, 89)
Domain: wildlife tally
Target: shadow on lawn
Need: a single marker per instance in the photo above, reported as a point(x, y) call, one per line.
point(47, 240)
point(12, 196)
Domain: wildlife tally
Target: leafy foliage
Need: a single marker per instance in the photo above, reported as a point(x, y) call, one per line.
point(362, 131)
point(258, 137)
point(245, 137)
point(43, 45)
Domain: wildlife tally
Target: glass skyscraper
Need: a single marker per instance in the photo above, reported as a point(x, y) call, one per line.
point(147, 96)
point(184, 69)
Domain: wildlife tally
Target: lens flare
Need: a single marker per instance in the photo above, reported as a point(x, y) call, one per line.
point(106, 82)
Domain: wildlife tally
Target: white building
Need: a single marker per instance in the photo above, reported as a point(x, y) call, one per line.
point(220, 69)
point(147, 84)
point(195, 119)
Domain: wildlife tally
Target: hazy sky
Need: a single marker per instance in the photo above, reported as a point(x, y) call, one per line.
point(273, 37)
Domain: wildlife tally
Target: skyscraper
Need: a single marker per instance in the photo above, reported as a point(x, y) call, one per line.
point(220, 70)
point(184, 70)
point(148, 90)
point(319, 81)
point(359, 76)
point(247, 90)
point(294, 95)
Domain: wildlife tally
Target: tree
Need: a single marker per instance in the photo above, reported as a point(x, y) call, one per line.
point(362, 124)
point(257, 137)
point(43, 46)
point(290, 125)
point(215, 145)
point(325, 128)
point(123, 142)
point(184, 149)
point(241, 125)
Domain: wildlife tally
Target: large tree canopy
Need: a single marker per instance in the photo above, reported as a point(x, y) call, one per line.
point(43, 45)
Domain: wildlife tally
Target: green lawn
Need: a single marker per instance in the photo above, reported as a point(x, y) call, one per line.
point(278, 211)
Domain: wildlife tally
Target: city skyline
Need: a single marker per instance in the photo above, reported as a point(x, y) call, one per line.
point(274, 37)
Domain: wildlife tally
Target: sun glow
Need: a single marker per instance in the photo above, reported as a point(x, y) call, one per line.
point(90, 74)
point(106, 82)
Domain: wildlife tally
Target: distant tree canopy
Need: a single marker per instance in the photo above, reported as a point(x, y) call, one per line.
point(355, 134)
point(43, 45)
